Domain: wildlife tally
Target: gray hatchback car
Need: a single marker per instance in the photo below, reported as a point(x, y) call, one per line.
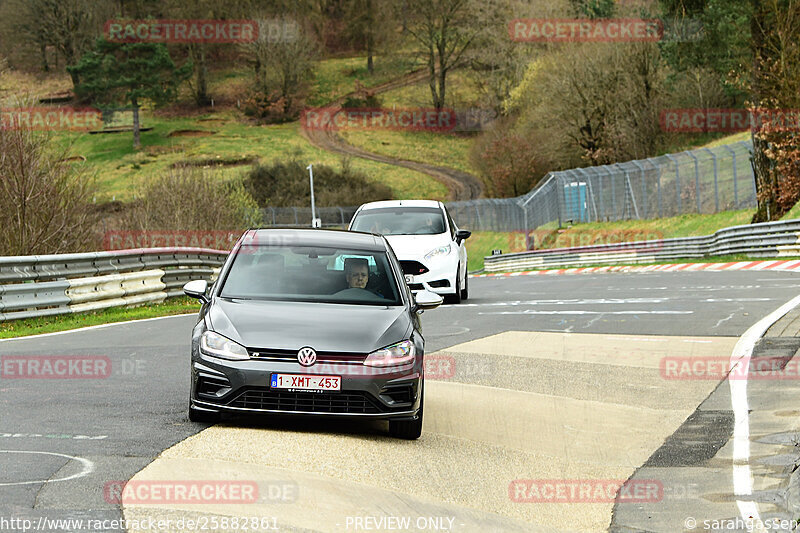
point(310, 322)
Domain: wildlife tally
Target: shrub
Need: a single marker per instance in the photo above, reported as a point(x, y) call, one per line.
point(511, 164)
point(271, 109)
point(286, 184)
point(45, 201)
point(191, 199)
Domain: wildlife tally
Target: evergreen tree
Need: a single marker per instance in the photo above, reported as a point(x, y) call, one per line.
point(129, 73)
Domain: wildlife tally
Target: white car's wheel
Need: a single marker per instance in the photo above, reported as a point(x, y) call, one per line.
point(456, 297)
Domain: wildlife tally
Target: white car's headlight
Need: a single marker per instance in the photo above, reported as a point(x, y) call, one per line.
point(441, 250)
point(216, 345)
point(401, 353)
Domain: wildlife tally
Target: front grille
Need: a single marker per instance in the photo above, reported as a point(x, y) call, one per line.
point(413, 267)
point(415, 286)
point(291, 355)
point(307, 402)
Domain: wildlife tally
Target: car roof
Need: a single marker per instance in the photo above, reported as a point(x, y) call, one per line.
point(401, 203)
point(313, 237)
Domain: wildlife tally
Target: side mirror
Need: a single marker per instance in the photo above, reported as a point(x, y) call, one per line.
point(197, 289)
point(462, 235)
point(425, 300)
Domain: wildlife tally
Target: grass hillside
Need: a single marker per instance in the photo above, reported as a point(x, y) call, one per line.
point(444, 149)
point(225, 143)
point(224, 140)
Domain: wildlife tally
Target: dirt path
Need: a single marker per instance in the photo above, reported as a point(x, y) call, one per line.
point(461, 185)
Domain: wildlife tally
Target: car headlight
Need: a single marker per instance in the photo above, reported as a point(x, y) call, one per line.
point(216, 345)
point(442, 250)
point(401, 353)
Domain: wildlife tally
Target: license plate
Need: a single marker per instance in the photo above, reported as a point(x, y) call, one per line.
point(409, 278)
point(305, 382)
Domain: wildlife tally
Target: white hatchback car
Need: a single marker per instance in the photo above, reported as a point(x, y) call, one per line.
point(426, 241)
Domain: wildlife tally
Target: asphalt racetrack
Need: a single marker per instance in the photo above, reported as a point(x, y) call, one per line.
point(537, 387)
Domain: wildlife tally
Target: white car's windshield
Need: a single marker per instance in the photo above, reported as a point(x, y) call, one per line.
point(400, 221)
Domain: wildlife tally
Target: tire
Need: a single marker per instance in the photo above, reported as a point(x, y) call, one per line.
point(203, 416)
point(465, 290)
point(408, 429)
point(456, 298)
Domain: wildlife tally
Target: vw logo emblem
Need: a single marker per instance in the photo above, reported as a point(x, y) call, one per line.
point(306, 356)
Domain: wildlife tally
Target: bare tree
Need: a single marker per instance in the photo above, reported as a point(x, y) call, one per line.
point(282, 58)
point(45, 202)
point(70, 26)
point(369, 25)
point(443, 31)
point(598, 103)
point(775, 85)
point(496, 63)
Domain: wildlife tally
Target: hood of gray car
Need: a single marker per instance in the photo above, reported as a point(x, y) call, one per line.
point(324, 327)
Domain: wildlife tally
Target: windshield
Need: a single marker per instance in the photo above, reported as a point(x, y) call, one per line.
point(311, 274)
point(400, 221)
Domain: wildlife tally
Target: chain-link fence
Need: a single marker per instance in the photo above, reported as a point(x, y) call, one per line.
point(706, 180)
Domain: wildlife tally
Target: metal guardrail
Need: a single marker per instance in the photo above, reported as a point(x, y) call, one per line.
point(765, 240)
point(46, 285)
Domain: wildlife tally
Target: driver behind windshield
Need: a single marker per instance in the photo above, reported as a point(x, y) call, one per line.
point(356, 272)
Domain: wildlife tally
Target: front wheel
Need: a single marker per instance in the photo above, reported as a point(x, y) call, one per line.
point(407, 429)
point(465, 290)
point(456, 297)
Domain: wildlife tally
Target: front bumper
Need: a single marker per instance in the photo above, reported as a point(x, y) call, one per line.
point(440, 277)
point(243, 387)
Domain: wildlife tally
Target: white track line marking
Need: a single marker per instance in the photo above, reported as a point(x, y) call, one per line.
point(88, 468)
point(742, 476)
point(532, 312)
